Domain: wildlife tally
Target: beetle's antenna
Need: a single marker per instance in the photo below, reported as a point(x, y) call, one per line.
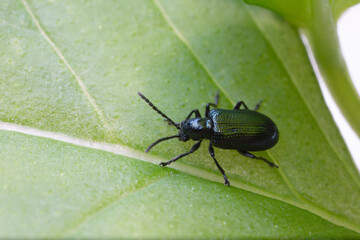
point(159, 112)
point(160, 140)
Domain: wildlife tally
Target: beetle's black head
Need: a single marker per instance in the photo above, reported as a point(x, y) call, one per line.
point(195, 129)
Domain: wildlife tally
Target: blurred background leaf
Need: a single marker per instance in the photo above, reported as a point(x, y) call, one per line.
point(316, 20)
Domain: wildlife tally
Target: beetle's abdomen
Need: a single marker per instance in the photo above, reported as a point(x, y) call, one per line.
point(244, 130)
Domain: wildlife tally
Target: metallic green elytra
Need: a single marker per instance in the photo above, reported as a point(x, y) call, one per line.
point(242, 129)
point(239, 129)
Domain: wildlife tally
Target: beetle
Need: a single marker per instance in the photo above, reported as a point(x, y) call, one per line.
point(239, 129)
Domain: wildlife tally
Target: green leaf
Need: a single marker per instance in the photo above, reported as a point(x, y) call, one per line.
point(339, 7)
point(70, 75)
point(57, 189)
point(316, 20)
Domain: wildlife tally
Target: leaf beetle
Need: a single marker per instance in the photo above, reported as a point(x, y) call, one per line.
point(238, 129)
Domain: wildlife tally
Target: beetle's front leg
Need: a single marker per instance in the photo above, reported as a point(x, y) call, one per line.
point(249, 155)
point(197, 114)
point(193, 149)
point(212, 154)
point(207, 108)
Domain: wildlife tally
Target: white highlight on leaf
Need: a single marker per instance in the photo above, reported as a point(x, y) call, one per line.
point(113, 148)
point(132, 153)
point(136, 154)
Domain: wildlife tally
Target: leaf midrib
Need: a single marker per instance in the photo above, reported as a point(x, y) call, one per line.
point(67, 231)
point(126, 151)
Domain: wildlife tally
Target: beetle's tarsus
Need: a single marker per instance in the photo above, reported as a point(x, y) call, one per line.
point(249, 155)
point(163, 164)
point(193, 149)
point(273, 165)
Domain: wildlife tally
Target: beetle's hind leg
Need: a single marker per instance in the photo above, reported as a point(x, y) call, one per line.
point(249, 155)
point(193, 149)
point(212, 154)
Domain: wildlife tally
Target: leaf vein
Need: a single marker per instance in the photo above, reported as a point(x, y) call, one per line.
point(67, 64)
point(114, 202)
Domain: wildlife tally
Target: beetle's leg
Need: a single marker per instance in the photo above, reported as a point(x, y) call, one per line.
point(249, 155)
point(217, 98)
point(258, 105)
point(197, 114)
point(207, 109)
point(238, 105)
point(193, 149)
point(212, 154)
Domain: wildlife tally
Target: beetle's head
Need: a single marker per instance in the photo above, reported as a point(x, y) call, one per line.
point(195, 129)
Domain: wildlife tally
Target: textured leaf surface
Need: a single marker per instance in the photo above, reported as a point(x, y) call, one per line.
point(55, 189)
point(74, 68)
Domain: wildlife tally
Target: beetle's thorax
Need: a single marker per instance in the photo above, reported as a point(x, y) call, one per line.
point(196, 129)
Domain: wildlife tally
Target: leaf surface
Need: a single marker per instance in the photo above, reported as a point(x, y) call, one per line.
point(73, 69)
